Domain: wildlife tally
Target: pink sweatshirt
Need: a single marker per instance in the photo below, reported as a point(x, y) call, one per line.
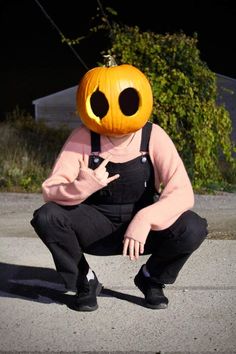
point(68, 184)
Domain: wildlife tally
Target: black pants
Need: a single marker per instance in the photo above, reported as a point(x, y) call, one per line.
point(71, 231)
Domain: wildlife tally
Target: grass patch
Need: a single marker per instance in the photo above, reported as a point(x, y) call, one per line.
point(28, 150)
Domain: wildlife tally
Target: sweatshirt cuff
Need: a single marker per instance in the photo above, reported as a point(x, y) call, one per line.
point(138, 228)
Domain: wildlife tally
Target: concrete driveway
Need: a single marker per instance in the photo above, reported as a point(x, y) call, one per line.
point(35, 311)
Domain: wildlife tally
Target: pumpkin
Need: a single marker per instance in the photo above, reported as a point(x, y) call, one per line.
point(114, 99)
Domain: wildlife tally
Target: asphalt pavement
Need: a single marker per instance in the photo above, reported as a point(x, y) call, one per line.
point(36, 314)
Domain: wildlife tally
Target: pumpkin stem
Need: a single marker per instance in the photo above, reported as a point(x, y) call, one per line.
point(109, 61)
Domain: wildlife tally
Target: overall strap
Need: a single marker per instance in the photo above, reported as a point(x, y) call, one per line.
point(95, 142)
point(146, 132)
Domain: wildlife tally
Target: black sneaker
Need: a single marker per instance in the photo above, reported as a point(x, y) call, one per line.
point(153, 292)
point(86, 298)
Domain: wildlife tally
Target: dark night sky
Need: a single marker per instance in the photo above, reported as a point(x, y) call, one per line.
point(35, 63)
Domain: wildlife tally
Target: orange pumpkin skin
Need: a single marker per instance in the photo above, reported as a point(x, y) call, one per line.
point(114, 100)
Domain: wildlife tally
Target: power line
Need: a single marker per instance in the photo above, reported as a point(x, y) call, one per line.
point(61, 34)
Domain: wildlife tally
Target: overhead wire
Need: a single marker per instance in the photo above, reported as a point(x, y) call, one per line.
point(61, 34)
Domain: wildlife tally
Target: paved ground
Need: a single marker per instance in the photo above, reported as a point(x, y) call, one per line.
point(35, 312)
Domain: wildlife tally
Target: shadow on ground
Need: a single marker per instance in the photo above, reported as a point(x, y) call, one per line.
point(45, 286)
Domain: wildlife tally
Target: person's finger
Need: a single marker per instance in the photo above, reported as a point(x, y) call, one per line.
point(136, 249)
point(104, 163)
point(141, 248)
point(104, 176)
point(112, 178)
point(86, 160)
point(131, 249)
point(101, 175)
point(125, 246)
point(81, 163)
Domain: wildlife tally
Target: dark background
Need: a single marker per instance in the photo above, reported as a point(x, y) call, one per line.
point(35, 63)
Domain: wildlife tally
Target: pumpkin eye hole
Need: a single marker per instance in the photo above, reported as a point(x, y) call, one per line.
point(99, 104)
point(129, 101)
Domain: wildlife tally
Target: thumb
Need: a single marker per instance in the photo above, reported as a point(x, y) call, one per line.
point(112, 178)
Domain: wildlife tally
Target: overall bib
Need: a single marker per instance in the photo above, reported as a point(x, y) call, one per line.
point(133, 190)
point(97, 226)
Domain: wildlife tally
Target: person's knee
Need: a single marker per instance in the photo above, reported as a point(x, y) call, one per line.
point(44, 217)
point(195, 230)
point(190, 231)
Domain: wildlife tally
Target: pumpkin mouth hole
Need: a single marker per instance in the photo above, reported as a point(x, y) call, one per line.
point(99, 104)
point(129, 101)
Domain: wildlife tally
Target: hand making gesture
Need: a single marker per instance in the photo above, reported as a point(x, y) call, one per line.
point(100, 173)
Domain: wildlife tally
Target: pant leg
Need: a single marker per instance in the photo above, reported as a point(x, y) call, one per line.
point(67, 232)
point(172, 247)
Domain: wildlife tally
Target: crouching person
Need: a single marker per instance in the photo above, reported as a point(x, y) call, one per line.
point(101, 196)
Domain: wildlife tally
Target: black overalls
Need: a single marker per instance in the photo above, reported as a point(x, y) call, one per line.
point(97, 225)
point(133, 190)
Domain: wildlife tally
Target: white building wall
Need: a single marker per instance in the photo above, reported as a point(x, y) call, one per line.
point(56, 116)
point(58, 109)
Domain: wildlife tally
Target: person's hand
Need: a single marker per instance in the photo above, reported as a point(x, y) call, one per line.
point(132, 248)
point(100, 173)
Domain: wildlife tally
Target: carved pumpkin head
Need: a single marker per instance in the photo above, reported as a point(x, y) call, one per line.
point(114, 100)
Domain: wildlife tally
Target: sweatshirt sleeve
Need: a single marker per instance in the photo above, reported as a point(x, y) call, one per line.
point(177, 195)
point(67, 183)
